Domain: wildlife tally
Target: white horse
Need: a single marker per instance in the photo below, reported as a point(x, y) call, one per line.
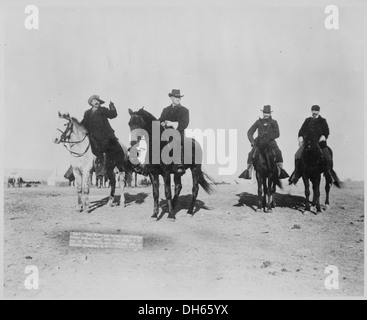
point(76, 141)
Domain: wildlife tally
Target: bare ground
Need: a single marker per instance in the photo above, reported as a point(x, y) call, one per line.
point(226, 251)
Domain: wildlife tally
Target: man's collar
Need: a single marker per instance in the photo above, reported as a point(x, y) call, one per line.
point(318, 116)
point(179, 105)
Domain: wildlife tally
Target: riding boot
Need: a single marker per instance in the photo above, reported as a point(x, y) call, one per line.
point(281, 172)
point(247, 173)
point(296, 174)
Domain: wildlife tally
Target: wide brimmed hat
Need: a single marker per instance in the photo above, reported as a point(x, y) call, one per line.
point(175, 93)
point(267, 109)
point(95, 97)
point(315, 108)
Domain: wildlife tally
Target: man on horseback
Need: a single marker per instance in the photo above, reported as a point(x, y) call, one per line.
point(102, 136)
point(270, 126)
point(319, 126)
point(176, 117)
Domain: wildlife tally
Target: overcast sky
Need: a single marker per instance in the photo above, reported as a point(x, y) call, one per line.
point(229, 61)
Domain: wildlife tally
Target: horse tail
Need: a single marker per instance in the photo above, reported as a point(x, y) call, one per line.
point(336, 179)
point(204, 183)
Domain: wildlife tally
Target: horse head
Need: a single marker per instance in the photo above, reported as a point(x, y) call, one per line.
point(72, 127)
point(264, 140)
point(312, 153)
point(140, 124)
point(65, 134)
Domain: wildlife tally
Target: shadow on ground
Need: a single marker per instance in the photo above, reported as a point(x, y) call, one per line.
point(281, 201)
point(183, 203)
point(129, 199)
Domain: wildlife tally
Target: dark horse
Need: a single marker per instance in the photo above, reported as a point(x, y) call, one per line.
point(267, 174)
point(143, 120)
point(311, 166)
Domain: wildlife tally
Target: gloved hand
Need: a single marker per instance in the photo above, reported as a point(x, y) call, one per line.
point(322, 138)
point(112, 105)
point(300, 141)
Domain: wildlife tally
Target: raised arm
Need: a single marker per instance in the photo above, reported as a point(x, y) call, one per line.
point(110, 113)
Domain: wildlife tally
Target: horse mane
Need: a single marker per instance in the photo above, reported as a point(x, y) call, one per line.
point(142, 118)
point(76, 121)
point(146, 115)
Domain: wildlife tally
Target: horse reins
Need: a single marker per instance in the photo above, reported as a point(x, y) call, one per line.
point(65, 137)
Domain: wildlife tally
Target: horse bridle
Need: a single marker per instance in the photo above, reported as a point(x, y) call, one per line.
point(65, 139)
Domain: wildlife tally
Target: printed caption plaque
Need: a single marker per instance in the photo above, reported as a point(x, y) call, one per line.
point(105, 241)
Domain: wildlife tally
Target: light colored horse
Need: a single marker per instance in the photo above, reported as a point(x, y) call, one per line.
point(76, 141)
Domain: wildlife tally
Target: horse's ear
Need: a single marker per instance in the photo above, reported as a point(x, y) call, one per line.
point(59, 114)
point(131, 112)
point(67, 116)
point(142, 108)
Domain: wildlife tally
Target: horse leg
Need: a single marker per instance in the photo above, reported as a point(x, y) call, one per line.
point(196, 172)
point(112, 178)
point(273, 190)
point(265, 194)
point(122, 181)
point(168, 193)
point(307, 193)
point(178, 188)
point(79, 188)
point(154, 178)
point(316, 192)
point(269, 194)
point(260, 203)
point(86, 186)
point(328, 183)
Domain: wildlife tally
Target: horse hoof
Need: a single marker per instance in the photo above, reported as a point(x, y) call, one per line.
point(269, 211)
point(327, 207)
point(306, 212)
point(171, 219)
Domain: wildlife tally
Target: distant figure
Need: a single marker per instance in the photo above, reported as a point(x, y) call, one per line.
point(69, 175)
point(128, 179)
point(101, 172)
point(20, 182)
point(11, 182)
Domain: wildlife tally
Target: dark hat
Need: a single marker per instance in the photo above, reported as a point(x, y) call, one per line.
point(315, 108)
point(175, 93)
point(267, 109)
point(95, 97)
